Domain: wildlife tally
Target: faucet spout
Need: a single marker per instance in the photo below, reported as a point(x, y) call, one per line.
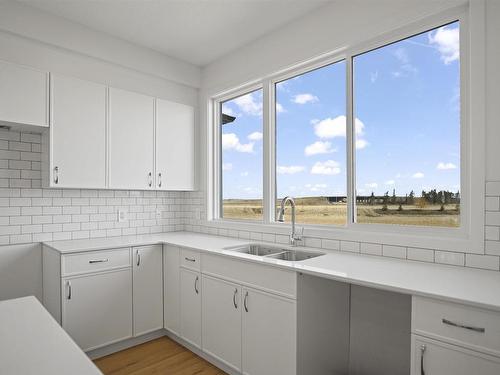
point(281, 218)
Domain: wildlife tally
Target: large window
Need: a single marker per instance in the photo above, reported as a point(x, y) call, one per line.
point(241, 150)
point(370, 136)
point(407, 106)
point(311, 144)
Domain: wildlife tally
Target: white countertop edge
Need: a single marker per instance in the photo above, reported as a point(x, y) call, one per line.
point(478, 288)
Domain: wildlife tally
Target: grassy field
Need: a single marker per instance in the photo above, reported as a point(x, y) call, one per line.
point(318, 210)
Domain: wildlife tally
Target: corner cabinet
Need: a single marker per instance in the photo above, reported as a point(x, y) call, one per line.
point(24, 96)
point(77, 144)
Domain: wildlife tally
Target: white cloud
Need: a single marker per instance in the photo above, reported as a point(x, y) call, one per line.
point(447, 42)
point(329, 167)
point(230, 141)
point(244, 174)
point(292, 169)
point(319, 147)
point(372, 185)
point(305, 98)
point(255, 136)
point(316, 187)
point(418, 175)
point(279, 108)
point(402, 55)
point(227, 166)
point(390, 182)
point(227, 110)
point(374, 76)
point(361, 144)
point(406, 67)
point(335, 127)
point(445, 166)
point(248, 104)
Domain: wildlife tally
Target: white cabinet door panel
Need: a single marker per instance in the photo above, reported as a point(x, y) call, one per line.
point(131, 140)
point(171, 288)
point(78, 133)
point(148, 289)
point(445, 359)
point(174, 146)
point(221, 325)
point(23, 95)
point(191, 307)
point(97, 309)
point(269, 328)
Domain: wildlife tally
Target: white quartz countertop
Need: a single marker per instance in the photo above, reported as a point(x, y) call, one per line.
point(32, 343)
point(458, 284)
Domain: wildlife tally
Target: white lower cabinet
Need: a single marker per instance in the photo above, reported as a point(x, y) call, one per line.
point(147, 289)
point(190, 290)
point(97, 309)
point(171, 289)
point(268, 334)
point(222, 321)
point(432, 357)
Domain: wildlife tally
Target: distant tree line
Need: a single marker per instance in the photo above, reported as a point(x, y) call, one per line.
point(428, 197)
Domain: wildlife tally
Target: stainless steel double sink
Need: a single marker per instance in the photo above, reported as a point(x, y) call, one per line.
point(275, 252)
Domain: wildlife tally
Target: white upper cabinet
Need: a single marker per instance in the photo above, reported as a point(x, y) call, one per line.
point(78, 133)
point(174, 146)
point(131, 140)
point(23, 95)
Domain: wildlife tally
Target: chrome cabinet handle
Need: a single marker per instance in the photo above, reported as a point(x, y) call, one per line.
point(159, 179)
point(92, 261)
point(234, 298)
point(245, 302)
point(150, 175)
point(422, 351)
point(56, 175)
point(196, 285)
point(458, 325)
point(190, 259)
point(138, 258)
point(68, 283)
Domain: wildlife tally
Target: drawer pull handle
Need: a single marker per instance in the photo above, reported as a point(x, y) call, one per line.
point(422, 351)
point(190, 259)
point(470, 328)
point(234, 298)
point(56, 175)
point(138, 258)
point(98, 261)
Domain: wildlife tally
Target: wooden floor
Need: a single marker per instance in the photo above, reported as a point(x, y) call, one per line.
point(161, 356)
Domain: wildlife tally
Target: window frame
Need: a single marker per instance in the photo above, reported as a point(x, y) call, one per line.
point(469, 237)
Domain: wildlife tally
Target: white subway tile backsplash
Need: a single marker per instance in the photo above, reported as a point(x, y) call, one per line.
point(371, 248)
point(493, 188)
point(422, 255)
point(394, 251)
point(492, 233)
point(350, 246)
point(487, 262)
point(448, 257)
point(330, 244)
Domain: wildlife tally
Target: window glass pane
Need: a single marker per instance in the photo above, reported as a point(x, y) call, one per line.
point(407, 115)
point(241, 144)
point(311, 144)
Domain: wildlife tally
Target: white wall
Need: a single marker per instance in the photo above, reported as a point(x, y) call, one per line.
point(330, 28)
point(29, 214)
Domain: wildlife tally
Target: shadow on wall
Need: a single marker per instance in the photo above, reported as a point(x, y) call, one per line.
point(21, 271)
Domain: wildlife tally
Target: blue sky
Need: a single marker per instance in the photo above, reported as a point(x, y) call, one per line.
point(407, 114)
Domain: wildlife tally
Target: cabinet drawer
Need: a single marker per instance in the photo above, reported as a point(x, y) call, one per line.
point(463, 325)
point(95, 261)
point(190, 259)
point(267, 278)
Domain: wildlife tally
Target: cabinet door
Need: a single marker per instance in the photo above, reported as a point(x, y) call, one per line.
point(171, 289)
point(78, 133)
point(191, 307)
point(174, 146)
point(439, 358)
point(221, 331)
point(268, 334)
point(97, 309)
point(131, 140)
point(23, 95)
point(148, 289)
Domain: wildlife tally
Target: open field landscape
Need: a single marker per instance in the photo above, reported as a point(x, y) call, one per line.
point(318, 210)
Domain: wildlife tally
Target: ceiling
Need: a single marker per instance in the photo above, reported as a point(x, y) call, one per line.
point(196, 31)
